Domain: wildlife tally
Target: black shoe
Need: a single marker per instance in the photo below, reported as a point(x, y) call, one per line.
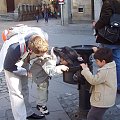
point(35, 116)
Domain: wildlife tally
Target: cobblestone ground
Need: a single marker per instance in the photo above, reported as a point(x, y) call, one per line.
point(70, 104)
point(3, 87)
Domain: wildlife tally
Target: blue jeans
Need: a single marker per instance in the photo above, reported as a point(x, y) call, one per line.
point(37, 18)
point(116, 57)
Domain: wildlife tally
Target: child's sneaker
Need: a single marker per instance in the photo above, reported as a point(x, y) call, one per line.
point(43, 109)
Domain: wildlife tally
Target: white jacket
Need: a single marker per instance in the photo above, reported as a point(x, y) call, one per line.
point(104, 85)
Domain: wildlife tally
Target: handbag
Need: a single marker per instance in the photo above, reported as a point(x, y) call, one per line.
point(111, 32)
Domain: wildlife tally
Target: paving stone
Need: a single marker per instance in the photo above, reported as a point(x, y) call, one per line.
point(3, 118)
point(2, 113)
point(63, 102)
point(9, 114)
point(57, 115)
point(4, 102)
point(72, 109)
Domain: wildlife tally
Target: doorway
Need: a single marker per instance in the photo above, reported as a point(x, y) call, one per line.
point(92, 12)
point(10, 5)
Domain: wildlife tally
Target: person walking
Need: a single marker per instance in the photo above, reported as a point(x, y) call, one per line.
point(16, 64)
point(46, 14)
point(37, 14)
point(103, 83)
point(105, 14)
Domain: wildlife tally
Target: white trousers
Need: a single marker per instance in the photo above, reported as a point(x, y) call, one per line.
point(19, 95)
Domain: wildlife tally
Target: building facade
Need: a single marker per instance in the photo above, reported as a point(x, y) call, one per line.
point(81, 9)
point(74, 10)
point(10, 5)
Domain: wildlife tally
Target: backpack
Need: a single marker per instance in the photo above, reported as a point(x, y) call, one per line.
point(11, 36)
point(19, 30)
point(111, 32)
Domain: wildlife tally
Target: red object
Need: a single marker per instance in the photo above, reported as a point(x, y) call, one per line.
point(5, 34)
point(60, 0)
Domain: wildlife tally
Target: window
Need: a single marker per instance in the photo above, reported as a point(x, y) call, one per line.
point(81, 9)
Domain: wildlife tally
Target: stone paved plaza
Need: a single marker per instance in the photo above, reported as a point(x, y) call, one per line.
point(63, 102)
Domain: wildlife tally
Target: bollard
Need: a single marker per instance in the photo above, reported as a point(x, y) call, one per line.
point(31, 12)
point(23, 12)
point(19, 13)
point(23, 7)
point(28, 12)
point(27, 8)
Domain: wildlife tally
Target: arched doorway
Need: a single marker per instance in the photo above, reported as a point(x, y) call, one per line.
point(10, 5)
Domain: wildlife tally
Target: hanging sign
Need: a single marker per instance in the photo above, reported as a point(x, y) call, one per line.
point(61, 1)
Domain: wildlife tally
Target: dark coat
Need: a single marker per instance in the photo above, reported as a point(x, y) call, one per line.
point(37, 13)
point(14, 54)
point(106, 12)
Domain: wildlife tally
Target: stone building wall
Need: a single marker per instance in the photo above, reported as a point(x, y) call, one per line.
point(3, 5)
point(31, 2)
point(3, 8)
point(81, 10)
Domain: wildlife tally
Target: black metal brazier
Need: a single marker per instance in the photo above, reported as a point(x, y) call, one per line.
point(84, 96)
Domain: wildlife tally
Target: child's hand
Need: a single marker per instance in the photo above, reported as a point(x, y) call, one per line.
point(61, 68)
point(93, 23)
point(83, 65)
point(29, 74)
point(64, 68)
point(94, 49)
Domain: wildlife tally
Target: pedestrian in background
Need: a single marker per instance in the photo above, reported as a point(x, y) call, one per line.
point(46, 14)
point(37, 14)
point(103, 83)
point(105, 14)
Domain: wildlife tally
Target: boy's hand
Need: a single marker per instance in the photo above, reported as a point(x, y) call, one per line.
point(94, 49)
point(83, 65)
point(93, 23)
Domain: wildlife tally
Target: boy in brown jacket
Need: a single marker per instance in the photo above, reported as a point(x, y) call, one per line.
point(104, 83)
